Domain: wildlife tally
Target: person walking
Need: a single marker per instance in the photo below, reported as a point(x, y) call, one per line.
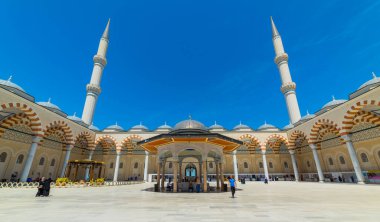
point(41, 186)
point(232, 185)
point(47, 187)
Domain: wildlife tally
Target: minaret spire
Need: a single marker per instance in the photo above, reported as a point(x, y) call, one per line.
point(93, 88)
point(288, 87)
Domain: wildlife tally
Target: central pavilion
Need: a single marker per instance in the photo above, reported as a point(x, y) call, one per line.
point(189, 148)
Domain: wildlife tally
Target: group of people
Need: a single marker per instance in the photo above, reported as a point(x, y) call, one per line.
point(43, 187)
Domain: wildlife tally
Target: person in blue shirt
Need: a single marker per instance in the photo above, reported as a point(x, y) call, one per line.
point(232, 185)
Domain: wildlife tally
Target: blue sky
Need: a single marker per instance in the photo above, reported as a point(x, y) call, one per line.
point(169, 59)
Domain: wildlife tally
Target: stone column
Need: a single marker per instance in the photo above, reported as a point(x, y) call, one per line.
point(29, 159)
point(204, 169)
point(217, 175)
point(180, 171)
point(221, 176)
point(175, 175)
point(87, 168)
point(265, 164)
point(294, 163)
point(317, 162)
point(100, 172)
point(117, 163)
point(354, 158)
point(158, 173)
point(236, 173)
point(69, 147)
point(146, 166)
point(163, 175)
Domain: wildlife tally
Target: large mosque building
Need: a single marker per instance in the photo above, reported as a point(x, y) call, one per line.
point(340, 142)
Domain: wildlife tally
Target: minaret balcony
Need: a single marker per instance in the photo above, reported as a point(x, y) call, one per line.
point(287, 87)
point(98, 59)
point(281, 58)
point(93, 89)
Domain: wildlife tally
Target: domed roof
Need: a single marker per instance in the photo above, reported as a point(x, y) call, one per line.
point(374, 80)
point(92, 127)
point(334, 102)
point(190, 124)
point(75, 118)
point(48, 104)
point(139, 127)
point(164, 127)
point(216, 127)
point(113, 128)
point(267, 127)
point(241, 126)
point(8, 83)
point(289, 126)
point(307, 116)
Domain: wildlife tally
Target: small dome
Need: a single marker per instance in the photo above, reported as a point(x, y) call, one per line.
point(190, 124)
point(289, 126)
point(113, 128)
point(307, 116)
point(139, 127)
point(8, 83)
point(374, 80)
point(48, 105)
point(242, 127)
point(216, 127)
point(94, 128)
point(75, 118)
point(267, 127)
point(164, 127)
point(334, 102)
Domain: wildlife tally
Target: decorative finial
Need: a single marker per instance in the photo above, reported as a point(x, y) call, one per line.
point(333, 97)
point(75, 113)
point(265, 122)
point(10, 78)
point(49, 100)
point(165, 123)
point(116, 123)
point(140, 123)
point(374, 75)
point(307, 112)
point(240, 123)
point(189, 116)
point(274, 29)
point(215, 122)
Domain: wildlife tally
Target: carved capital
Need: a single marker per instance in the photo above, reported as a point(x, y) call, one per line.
point(287, 87)
point(100, 60)
point(281, 58)
point(292, 152)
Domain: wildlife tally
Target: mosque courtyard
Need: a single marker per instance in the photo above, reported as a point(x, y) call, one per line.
point(278, 201)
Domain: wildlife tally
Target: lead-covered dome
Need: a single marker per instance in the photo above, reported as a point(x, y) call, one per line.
point(268, 127)
point(9, 83)
point(49, 105)
point(374, 80)
point(190, 124)
point(113, 128)
point(242, 127)
point(289, 126)
point(307, 116)
point(216, 127)
point(164, 128)
point(334, 102)
point(139, 127)
point(94, 128)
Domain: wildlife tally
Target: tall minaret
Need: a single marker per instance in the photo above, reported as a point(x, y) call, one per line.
point(93, 88)
point(288, 86)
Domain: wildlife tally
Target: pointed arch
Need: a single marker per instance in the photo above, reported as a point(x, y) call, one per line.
point(295, 138)
point(30, 114)
point(107, 142)
point(274, 141)
point(321, 128)
point(90, 140)
point(61, 129)
point(358, 110)
point(129, 142)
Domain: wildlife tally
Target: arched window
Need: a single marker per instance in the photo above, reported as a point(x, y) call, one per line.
point(170, 165)
point(341, 160)
point(111, 165)
point(20, 159)
point(245, 165)
point(3, 157)
point(210, 165)
point(261, 164)
point(52, 162)
point(136, 165)
point(121, 165)
point(270, 165)
point(364, 157)
point(308, 164)
point(286, 165)
point(42, 161)
point(331, 162)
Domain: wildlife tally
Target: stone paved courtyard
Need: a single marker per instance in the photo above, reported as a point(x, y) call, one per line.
point(278, 201)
